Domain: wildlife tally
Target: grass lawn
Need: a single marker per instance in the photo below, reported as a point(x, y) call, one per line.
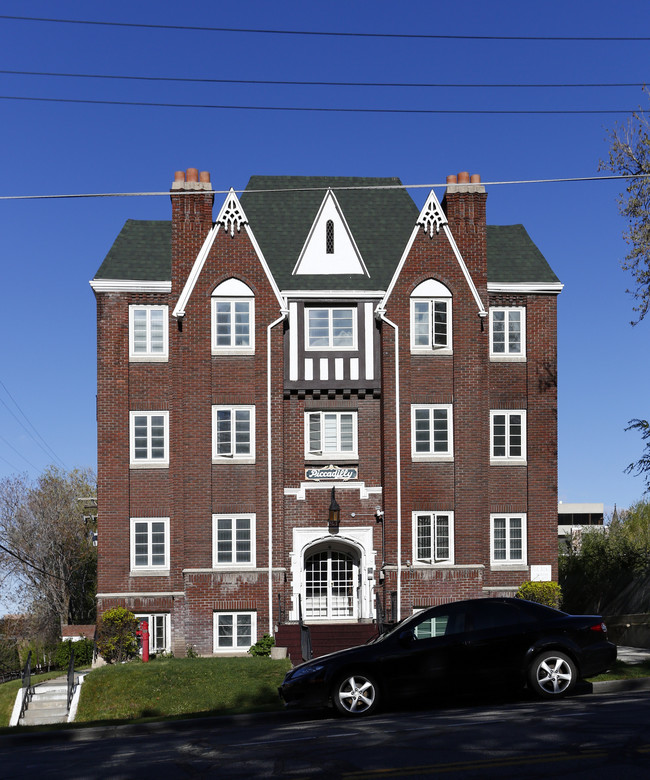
point(623, 671)
point(9, 690)
point(174, 687)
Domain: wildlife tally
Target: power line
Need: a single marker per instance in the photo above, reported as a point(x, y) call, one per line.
point(189, 193)
point(295, 83)
point(355, 110)
point(329, 33)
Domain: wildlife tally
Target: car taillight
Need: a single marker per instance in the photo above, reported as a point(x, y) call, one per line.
point(601, 627)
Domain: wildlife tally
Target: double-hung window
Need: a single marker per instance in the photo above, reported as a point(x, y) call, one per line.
point(431, 318)
point(331, 328)
point(508, 333)
point(330, 434)
point(148, 333)
point(433, 537)
point(508, 436)
point(233, 540)
point(149, 434)
point(233, 433)
point(431, 431)
point(233, 317)
point(508, 538)
point(234, 632)
point(159, 631)
point(150, 545)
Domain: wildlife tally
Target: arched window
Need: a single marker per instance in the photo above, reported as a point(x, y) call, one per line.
point(329, 237)
point(233, 318)
point(431, 317)
point(331, 584)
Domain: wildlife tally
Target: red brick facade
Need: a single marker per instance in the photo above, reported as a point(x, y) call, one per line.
point(290, 511)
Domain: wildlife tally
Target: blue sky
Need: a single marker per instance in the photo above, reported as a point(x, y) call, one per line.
point(52, 248)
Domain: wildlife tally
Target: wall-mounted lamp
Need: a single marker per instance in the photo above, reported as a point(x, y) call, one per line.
point(379, 514)
point(334, 515)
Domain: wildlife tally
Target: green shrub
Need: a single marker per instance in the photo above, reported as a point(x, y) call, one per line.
point(116, 639)
point(9, 655)
point(263, 646)
point(548, 593)
point(83, 653)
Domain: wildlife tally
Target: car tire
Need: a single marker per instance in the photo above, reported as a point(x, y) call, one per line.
point(356, 694)
point(552, 674)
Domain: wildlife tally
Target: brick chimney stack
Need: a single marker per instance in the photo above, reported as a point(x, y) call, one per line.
point(464, 205)
point(191, 221)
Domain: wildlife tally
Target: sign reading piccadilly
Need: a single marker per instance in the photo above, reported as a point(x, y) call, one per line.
point(332, 472)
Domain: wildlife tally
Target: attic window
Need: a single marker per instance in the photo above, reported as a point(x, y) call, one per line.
point(329, 237)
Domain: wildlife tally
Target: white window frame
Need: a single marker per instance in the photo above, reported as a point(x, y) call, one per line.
point(149, 356)
point(332, 454)
point(507, 354)
point(234, 649)
point(508, 458)
point(233, 456)
point(149, 567)
point(431, 454)
point(233, 563)
point(232, 348)
point(433, 517)
point(508, 517)
point(167, 630)
point(330, 346)
point(149, 461)
point(431, 292)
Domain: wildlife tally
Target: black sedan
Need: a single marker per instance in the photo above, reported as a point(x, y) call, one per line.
point(500, 642)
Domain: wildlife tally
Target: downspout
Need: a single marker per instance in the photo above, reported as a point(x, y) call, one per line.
point(269, 473)
point(381, 313)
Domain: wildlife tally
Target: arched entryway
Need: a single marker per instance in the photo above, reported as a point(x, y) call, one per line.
point(332, 582)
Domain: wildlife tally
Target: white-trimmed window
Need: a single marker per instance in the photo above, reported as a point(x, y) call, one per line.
point(508, 332)
point(148, 333)
point(431, 431)
point(233, 433)
point(149, 433)
point(508, 542)
point(234, 632)
point(150, 544)
point(233, 318)
point(233, 540)
point(431, 318)
point(330, 434)
point(433, 537)
point(508, 436)
point(159, 631)
point(331, 328)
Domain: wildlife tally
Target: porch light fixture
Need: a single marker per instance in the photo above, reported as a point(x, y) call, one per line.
point(334, 515)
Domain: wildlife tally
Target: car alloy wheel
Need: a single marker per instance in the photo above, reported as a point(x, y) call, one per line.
point(356, 694)
point(552, 674)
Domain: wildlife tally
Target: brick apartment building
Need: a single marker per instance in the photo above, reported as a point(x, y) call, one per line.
point(321, 333)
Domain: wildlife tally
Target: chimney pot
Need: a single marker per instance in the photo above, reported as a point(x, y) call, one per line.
point(205, 177)
point(451, 179)
point(475, 178)
point(192, 174)
point(463, 177)
point(179, 176)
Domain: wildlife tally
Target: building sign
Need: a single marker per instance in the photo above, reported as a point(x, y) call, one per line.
point(332, 472)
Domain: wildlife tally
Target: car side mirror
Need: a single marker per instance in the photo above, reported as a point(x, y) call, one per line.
point(406, 638)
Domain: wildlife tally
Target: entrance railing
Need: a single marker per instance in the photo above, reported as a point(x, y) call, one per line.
point(305, 635)
point(28, 688)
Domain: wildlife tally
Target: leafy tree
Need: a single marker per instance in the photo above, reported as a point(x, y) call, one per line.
point(47, 548)
point(116, 638)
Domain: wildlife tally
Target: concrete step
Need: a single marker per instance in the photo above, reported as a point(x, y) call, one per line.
point(37, 718)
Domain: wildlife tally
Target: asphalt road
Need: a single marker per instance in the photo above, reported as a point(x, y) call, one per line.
point(590, 736)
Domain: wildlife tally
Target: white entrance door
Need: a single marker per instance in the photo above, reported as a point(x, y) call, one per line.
point(331, 582)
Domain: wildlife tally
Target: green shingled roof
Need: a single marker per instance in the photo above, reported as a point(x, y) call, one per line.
point(381, 221)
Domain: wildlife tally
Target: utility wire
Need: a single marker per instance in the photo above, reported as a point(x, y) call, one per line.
point(329, 33)
point(189, 193)
point(294, 83)
point(31, 565)
point(521, 112)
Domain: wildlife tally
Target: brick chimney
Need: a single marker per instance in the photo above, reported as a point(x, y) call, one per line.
point(191, 221)
point(464, 205)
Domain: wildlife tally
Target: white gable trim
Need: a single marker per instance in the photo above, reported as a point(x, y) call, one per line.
point(129, 285)
point(333, 294)
point(432, 216)
point(231, 214)
point(313, 260)
point(553, 288)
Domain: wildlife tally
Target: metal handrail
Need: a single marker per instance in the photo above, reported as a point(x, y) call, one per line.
point(381, 615)
point(71, 680)
point(305, 636)
point(28, 688)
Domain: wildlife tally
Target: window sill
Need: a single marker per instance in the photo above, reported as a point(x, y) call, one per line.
point(506, 462)
point(232, 461)
point(144, 572)
point(148, 465)
point(347, 459)
point(432, 458)
point(508, 358)
point(448, 564)
point(148, 358)
point(428, 351)
point(233, 352)
point(508, 566)
point(230, 567)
